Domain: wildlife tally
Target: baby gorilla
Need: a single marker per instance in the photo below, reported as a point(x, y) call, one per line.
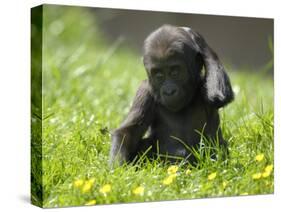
point(179, 101)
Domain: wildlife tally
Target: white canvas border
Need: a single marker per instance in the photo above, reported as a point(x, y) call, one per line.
point(15, 106)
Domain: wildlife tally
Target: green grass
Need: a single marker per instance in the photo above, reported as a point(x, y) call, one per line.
point(88, 85)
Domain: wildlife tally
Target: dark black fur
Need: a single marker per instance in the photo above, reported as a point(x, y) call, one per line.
point(178, 99)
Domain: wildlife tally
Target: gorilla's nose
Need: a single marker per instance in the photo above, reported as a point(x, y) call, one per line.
point(170, 91)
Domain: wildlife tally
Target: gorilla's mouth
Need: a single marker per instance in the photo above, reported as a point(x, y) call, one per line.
point(174, 103)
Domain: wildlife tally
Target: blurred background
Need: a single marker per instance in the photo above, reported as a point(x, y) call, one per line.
point(240, 42)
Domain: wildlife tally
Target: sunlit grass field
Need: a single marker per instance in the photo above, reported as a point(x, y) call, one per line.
point(88, 86)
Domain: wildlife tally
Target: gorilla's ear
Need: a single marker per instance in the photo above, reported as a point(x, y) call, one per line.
point(216, 86)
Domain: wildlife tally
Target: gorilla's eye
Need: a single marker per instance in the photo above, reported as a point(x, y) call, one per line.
point(175, 69)
point(159, 76)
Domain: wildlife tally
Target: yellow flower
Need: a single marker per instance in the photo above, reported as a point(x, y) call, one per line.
point(138, 190)
point(259, 157)
point(168, 180)
point(78, 183)
point(105, 189)
point(188, 171)
point(256, 176)
point(266, 174)
point(267, 171)
point(173, 169)
point(88, 185)
point(212, 176)
point(224, 184)
point(269, 168)
point(91, 202)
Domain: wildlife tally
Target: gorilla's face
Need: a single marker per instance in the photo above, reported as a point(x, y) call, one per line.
point(169, 79)
point(171, 82)
point(169, 62)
